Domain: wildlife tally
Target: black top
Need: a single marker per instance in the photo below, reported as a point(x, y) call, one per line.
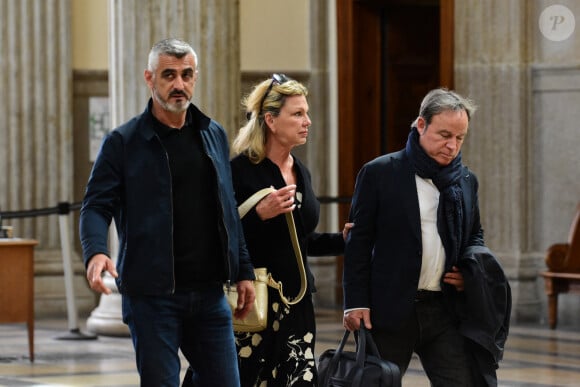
point(195, 211)
point(269, 242)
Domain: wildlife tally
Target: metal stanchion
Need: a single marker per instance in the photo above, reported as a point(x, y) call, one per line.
point(74, 332)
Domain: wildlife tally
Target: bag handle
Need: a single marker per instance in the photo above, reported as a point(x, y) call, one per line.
point(366, 340)
point(363, 339)
point(333, 362)
point(243, 209)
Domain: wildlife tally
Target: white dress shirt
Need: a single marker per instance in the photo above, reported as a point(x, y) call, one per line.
point(433, 260)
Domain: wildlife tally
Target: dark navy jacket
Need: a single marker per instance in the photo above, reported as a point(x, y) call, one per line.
point(131, 183)
point(384, 248)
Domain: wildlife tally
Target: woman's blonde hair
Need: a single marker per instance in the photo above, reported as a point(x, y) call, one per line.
point(251, 138)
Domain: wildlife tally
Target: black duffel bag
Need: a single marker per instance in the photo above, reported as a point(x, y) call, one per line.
point(339, 368)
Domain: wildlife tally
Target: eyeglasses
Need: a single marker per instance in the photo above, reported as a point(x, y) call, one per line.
point(277, 79)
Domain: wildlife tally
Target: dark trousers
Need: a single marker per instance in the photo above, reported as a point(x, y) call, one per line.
point(432, 334)
point(199, 323)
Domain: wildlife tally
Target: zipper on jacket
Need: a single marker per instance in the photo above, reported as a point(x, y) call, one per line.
point(172, 290)
point(223, 226)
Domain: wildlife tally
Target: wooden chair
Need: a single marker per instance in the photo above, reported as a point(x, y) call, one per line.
point(563, 274)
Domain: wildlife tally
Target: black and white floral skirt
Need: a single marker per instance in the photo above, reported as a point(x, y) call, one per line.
point(283, 354)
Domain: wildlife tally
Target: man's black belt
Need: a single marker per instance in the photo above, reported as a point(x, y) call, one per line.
point(427, 295)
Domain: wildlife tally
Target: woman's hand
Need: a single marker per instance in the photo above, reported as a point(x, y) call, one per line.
point(278, 202)
point(346, 229)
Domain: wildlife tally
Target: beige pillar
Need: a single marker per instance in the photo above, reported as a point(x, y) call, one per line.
point(35, 144)
point(492, 46)
point(320, 152)
point(211, 27)
point(36, 136)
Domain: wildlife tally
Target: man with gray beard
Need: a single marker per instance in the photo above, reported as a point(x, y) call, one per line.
point(164, 177)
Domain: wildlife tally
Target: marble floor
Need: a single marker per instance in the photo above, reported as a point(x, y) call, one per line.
point(535, 356)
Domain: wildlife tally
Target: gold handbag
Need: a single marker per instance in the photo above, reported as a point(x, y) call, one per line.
point(257, 319)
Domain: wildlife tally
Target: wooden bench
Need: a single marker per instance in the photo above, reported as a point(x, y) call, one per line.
point(563, 274)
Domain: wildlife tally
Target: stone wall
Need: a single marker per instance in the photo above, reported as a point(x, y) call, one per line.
point(523, 140)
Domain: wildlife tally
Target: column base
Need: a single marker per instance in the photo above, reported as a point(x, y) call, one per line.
point(106, 319)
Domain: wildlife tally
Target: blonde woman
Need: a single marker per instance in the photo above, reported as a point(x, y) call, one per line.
point(278, 121)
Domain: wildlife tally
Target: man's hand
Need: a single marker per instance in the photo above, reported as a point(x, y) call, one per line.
point(98, 264)
point(351, 319)
point(454, 278)
point(346, 229)
point(246, 298)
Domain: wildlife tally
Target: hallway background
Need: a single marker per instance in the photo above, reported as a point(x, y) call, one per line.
point(72, 69)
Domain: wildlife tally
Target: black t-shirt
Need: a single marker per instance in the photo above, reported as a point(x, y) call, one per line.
point(196, 242)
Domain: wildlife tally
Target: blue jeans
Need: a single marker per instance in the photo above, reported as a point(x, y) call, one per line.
point(197, 322)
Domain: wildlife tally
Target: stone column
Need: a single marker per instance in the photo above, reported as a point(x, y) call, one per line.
point(320, 152)
point(35, 145)
point(36, 155)
point(492, 46)
point(212, 28)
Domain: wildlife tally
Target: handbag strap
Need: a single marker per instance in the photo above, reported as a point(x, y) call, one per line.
point(299, 261)
point(243, 209)
point(250, 202)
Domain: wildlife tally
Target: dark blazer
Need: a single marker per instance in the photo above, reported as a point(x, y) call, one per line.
point(269, 241)
point(384, 248)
